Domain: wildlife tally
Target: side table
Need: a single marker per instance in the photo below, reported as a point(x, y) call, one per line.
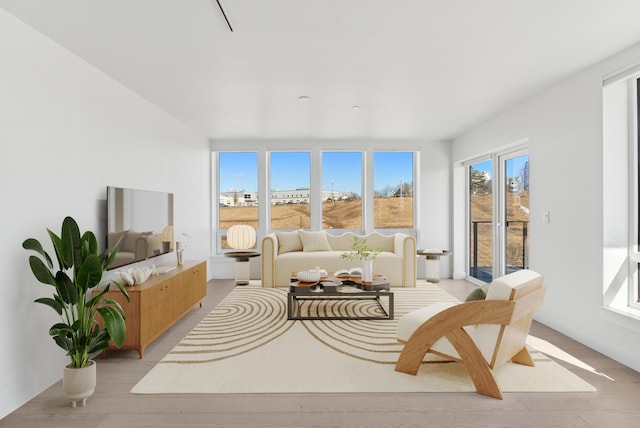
point(432, 266)
point(242, 264)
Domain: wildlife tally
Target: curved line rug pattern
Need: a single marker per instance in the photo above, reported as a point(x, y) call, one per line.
point(247, 345)
point(249, 318)
point(243, 322)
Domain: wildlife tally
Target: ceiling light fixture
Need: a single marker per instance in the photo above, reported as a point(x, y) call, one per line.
point(224, 15)
point(356, 107)
point(303, 98)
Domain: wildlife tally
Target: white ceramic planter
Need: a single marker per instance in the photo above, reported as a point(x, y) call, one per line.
point(79, 384)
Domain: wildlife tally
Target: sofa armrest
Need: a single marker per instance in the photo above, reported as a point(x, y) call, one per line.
point(405, 247)
point(141, 248)
point(269, 253)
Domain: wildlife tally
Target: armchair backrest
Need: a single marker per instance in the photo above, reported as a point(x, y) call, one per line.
point(499, 343)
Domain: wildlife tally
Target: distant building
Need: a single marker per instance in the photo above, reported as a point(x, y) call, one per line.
point(241, 198)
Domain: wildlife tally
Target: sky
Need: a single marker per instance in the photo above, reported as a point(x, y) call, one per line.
point(514, 166)
point(291, 170)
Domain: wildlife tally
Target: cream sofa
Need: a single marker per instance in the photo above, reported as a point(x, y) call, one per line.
point(286, 252)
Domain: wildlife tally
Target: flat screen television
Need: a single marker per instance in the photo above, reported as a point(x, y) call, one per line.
point(142, 221)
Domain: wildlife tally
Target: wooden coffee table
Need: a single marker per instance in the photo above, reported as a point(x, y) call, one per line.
point(340, 288)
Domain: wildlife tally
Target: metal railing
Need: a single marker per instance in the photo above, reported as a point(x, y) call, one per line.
point(516, 261)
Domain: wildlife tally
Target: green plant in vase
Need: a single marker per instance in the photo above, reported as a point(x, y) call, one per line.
point(80, 268)
point(361, 251)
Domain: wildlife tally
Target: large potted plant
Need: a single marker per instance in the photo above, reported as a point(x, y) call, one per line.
point(78, 300)
point(361, 251)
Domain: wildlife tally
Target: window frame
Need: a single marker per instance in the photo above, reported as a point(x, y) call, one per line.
point(371, 195)
point(264, 148)
point(293, 195)
point(634, 197)
point(362, 185)
point(621, 230)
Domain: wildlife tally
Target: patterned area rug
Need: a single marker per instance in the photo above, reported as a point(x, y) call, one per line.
point(246, 345)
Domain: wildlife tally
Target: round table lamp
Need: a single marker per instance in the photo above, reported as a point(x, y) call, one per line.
point(241, 237)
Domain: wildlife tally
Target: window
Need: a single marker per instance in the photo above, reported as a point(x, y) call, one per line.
point(342, 190)
point(393, 190)
point(238, 183)
point(238, 191)
point(331, 188)
point(290, 190)
point(621, 196)
point(498, 222)
point(481, 220)
point(516, 211)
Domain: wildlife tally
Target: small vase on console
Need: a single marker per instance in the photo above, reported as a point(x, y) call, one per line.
point(179, 251)
point(367, 270)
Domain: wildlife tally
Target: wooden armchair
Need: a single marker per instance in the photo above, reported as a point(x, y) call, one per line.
point(482, 334)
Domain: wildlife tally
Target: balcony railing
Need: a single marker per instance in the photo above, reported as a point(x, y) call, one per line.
point(482, 249)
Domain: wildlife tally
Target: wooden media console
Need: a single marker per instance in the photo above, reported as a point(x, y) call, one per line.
point(160, 302)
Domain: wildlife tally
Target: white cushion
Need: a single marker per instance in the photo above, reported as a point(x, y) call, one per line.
point(314, 241)
point(408, 323)
point(381, 242)
point(288, 241)
point(502, 287)
point(341, 242)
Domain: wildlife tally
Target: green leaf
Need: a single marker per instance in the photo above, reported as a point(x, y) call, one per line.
point(58, 245)
point(114, 304)
point(110, 256)
point(40, 271)
point(114, 323)
point(90, 273)
point(71, 238)
point(63, 342)
point(50, 302)
point(122, 290)
point(34, 245)
point(90, 238)
point(99, 346)
point(66, 288)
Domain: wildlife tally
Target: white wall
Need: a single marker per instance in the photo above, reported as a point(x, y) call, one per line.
point(68, 131)
point(564, 130)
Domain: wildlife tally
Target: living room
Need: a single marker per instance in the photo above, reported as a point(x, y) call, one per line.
point(71, 127)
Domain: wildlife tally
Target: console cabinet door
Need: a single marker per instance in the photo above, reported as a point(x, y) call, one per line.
point(161, 301)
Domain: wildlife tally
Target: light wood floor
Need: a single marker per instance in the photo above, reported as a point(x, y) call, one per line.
point(615, 404)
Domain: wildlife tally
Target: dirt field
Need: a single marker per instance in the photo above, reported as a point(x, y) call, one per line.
point(481, 210)
point(388, 213)
point(392, 213)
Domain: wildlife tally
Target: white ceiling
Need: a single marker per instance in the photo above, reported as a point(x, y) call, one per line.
point(418, 69)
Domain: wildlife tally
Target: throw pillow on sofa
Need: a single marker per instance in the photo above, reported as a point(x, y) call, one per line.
point(314, 241)
point(288, 242)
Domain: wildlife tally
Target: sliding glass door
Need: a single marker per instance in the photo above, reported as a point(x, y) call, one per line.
point(516, 212)
point(498, 213)
point(481, 220)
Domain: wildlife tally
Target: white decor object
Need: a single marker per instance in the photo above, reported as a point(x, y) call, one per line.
point(78, 384)
point(134, 276)
point(241, 237)
point(309, 276)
